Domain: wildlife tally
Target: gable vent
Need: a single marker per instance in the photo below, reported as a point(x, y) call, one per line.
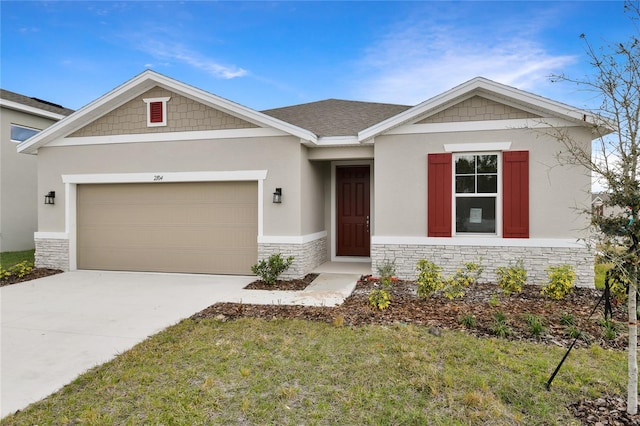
point(156, 111)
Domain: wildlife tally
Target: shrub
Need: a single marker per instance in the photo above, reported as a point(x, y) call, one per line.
point(567, 318)
point(535, 324)
point(610, 328)
point(561, 280)
point(269, 270)
point(380, 298)
point(512, 278)
point(429, 278)
point(455, 286)
point(501, 327)
point(19, 270)
point(618, 283)
point(387, 271)
point(468, 320)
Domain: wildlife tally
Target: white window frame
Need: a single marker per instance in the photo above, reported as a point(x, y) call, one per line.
point(22, 127)
point(164, 101)
point(498, 195)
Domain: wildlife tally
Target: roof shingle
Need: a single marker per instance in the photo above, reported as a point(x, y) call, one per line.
point(34, 102)
point(336, 117)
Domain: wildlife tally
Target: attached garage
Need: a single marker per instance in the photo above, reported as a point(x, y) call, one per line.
point(189, 227)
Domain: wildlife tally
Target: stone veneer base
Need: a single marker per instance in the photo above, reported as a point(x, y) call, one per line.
point(452, 257)
point(52, 253)
point(307, 256)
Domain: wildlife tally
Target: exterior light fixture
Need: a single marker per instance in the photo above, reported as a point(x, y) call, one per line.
point(277, 196)
point(50, 198)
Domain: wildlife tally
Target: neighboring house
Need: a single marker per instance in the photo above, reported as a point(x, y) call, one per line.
point(20, 118)
point(157, 175)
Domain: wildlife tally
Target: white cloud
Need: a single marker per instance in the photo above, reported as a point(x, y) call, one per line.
point(421, 60)
point(182, 54)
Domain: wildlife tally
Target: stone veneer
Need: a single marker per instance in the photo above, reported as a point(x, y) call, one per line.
point(52, 253)
point(307, 256)
point(452, 257)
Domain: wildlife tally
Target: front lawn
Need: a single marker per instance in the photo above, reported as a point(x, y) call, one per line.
point(10, 258)
point(255, 371)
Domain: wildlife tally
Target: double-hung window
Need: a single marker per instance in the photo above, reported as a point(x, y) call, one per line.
point(476, 193)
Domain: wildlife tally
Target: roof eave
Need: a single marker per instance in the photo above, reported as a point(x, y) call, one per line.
point(140, 84)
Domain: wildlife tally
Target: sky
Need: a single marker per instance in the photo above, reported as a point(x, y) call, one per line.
point(272, 54)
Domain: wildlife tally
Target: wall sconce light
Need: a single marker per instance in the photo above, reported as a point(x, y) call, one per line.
point(50, 197)
point(277, 196)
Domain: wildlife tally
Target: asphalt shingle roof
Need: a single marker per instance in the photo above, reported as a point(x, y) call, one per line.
point(34, 102)
point(336, 117)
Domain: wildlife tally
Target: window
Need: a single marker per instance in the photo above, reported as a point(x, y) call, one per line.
point(21, 134)
point(156, 111)
point(476, 189)
point(476, 193)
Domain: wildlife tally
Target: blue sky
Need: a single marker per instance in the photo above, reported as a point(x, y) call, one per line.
point(271, 54)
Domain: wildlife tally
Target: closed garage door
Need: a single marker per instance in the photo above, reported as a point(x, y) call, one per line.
point(196, 227)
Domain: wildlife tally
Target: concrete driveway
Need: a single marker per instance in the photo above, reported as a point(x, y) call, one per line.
point(55, 328)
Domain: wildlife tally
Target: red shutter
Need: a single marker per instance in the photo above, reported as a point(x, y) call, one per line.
point(155, 112)
point(439, 196)
point(515, 197)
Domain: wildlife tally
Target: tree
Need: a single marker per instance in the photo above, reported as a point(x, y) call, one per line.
point(614, 160)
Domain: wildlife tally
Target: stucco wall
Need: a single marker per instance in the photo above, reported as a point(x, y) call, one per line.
point(19, 198)
point(401, 181)
point(280, 156)
point(183, 114)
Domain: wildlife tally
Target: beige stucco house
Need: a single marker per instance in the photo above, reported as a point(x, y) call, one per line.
point(157, 175)
point(20, 118)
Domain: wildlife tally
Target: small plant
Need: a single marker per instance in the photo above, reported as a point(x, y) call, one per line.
point(512, 278)
point(567, 319)
point(618, 283)
point(610, 328)
point(429, 278)
point(501, 327)
point(380, 298)
point(18, 270)
point(455, 286)
point(573, 332)
point(535, 324)
point(500, 316)
point(561, 280)
point(468, 320)
point(387, 271)
point(494, 301)
point(269, 270)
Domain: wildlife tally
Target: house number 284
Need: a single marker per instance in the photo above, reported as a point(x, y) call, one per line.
point(157, 178)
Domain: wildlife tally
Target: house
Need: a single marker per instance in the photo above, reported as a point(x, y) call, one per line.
point(20, 118)
point(157, 175)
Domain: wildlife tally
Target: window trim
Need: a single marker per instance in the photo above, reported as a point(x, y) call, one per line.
point(22, 127)
point(148, 102)
point(498, 195)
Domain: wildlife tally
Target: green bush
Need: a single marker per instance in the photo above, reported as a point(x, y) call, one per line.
point(19, 270)
point(468, 320)
point(512, 278)
point(535, 324)
point(429, 278)
point(455, 286)
point(561, 281)
point(386, 272)
point(380, 298)
point(269, 270)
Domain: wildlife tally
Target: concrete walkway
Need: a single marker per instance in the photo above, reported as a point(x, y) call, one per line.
point(55, 328)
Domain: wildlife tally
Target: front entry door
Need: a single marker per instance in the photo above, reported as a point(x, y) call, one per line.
point(353, 217)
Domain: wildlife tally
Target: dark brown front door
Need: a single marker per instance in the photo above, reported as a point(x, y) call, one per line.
point(353, 211)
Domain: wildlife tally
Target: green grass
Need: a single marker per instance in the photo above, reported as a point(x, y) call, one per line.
point(290, 372)
point(10, 258)
point(600, 270)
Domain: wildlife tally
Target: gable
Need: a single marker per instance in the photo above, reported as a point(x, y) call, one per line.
point(477, 108)
point(183, 114)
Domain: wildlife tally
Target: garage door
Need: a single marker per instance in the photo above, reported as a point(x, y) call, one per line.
point(195, 227)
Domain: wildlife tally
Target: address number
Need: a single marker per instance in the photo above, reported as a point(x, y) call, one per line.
point(157, 178)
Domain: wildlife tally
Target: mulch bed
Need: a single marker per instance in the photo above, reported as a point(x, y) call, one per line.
point(482, 301)
point(287, 285)
point(34, 274)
